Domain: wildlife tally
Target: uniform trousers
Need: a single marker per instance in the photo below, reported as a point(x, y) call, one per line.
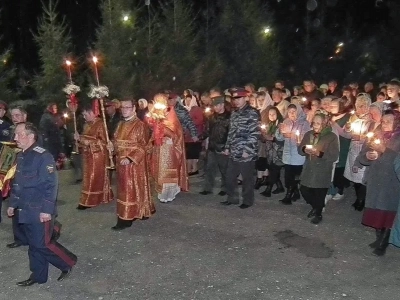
point(43, 250)
point(19, 236)
point(215, 161)
point(247, 170)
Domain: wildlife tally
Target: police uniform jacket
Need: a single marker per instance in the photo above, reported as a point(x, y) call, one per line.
point(5, 130)
point(35, 185)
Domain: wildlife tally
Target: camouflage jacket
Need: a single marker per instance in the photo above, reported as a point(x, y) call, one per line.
point(244, 132)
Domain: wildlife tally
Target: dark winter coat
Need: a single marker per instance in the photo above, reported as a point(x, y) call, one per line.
point(217, 128)
point(50, 129)
point(317, 171)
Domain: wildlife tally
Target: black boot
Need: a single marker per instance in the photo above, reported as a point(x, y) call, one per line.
point(279, 188)
point(317, 216)
point(359, 205)
point(288, 197)
point(380, 250)
point(267, 192)
point(258, 183)
point(296, 193)
point(122, 224)
point(379, 233)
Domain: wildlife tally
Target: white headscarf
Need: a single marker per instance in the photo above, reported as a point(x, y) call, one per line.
point(193, 102)
point(144, 101)
point(267, 102)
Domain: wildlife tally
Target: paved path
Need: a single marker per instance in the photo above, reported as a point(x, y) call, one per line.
point(195, 248)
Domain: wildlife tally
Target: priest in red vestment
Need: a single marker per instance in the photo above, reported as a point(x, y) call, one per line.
point(168, 160)
point(130, 144)
point(93, 147)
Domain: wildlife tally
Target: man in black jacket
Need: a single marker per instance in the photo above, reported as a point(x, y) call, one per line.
point(217, 133)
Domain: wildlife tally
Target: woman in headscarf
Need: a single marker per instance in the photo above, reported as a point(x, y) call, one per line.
point(383, 186)
point(273, 149)
point(193, 148)
point(263, 102)
point(356, 128)
point(142, 109)
point(320, 146)
point(291, 131)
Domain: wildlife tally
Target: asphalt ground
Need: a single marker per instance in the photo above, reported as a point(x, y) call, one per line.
point(196, 248)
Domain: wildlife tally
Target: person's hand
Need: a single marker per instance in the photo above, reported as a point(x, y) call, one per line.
point(372, 155)
point(287, 135)
point(226, 152)
point(245, 155)
point(76, 136)
point(269, 137)
point(125, 162)
point(378, 147)
point(354, 169)
point(44, 217)
point(195, 139)
point(10, 211)
point(110, 146)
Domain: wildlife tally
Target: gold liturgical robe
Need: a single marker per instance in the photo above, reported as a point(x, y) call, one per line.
point(96, 182)
point(134, 195)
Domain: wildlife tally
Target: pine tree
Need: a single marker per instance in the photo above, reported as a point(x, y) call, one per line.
point(54, 42)
point(116, 45)
point(7, 72)
point(249, 51)
point(178, 43)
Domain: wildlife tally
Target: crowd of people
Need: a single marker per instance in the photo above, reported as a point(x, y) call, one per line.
point(319, 142)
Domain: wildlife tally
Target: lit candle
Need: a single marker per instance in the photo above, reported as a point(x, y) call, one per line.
point(158, 105)
point(309, 147)
point(207, 110)
point(377, 141)
point(304, 99)
point(95, 60)
point(263, 126)
point(148, 115)
point(65, 115)
point(298, 136)
point(68, 63)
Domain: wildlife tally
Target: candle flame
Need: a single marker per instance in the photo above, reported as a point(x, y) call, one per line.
point(370, 135)
point(353, 112)
point(297, 132)
point(68, 62)
point(304, 99)
point(207, 109)
point(158, 105)
point(65, 115)
point(95, 60)
point(377, 141)
point(263, 126)
point(309, 146)
point(148, 115)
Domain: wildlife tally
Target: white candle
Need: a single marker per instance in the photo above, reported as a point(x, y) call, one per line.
point(263, 126)
point(309, 146)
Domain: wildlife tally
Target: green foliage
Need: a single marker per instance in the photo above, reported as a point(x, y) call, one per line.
point(54, 42)
point(250, 54)
point(6, 74)
point(116, 46)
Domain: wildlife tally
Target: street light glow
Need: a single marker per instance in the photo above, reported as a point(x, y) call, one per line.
point(126, 18)
point(267, 30)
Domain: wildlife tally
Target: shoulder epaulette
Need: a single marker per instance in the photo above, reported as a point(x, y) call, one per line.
point(39, 149)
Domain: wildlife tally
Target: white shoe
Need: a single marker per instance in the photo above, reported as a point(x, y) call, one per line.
point(338, 197)
point(327, 198)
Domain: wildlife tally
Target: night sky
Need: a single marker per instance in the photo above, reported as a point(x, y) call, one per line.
point(19, 18)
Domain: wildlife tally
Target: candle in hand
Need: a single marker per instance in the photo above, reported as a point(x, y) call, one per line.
point(377, 141)
point(309, 147)
point(298, 136)
point(263, 126)
point(207, 110)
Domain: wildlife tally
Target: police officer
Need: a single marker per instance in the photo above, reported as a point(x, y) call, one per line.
point(34, 194)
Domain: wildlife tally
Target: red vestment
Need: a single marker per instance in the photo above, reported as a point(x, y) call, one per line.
point(168, 162)
point(134, 195)
point(96, 182)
